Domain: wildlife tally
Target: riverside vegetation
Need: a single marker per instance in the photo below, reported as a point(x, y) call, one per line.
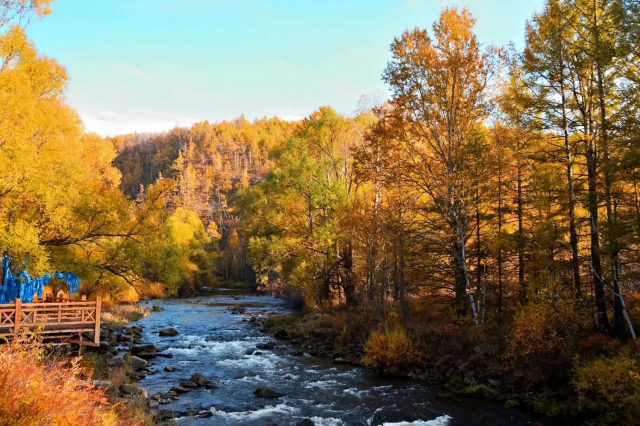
point(479, 229)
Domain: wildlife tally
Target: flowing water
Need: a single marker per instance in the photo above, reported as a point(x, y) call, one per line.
point(216, 343)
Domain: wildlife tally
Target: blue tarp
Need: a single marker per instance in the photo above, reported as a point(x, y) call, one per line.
point(24, 287)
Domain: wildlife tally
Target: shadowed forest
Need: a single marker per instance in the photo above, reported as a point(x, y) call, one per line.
point(479, 229)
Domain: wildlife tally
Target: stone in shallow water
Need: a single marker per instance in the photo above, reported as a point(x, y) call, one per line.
point(267, 393)
point(168, 332)
point(199, 379)
point(179, 389)
point(169, 369)
point(188, 384)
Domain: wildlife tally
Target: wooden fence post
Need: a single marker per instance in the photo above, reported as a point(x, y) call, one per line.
point(96, 332)
point(17, 315)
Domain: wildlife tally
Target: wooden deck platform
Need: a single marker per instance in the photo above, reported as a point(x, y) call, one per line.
point(62, 320)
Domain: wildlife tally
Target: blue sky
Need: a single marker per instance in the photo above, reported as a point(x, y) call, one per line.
point(148, 65)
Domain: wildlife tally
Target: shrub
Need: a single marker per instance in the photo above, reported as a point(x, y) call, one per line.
point(36, 390)
point(387, 350)
point(610, 387)
point(543, 330)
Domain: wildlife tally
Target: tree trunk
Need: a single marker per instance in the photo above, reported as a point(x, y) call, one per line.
point(596, 264)
point(348, 284)
point(521, 283)
point(618, 321)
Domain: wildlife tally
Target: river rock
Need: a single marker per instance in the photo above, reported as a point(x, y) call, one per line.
point(268, 345)
point(169, 369)
point(144, 351)
point(119, 361)
point(306, 422)
point(389, 415)
point(132, 391)
point(199, 379)
point(205, 414)
point(188, 384)
point(135, 332)
point(116, 361)
point(163, 414)
point(267, 393)
point(297, 353)
point(168, 332)
point(179, 389)
point(138, 363)
point(210, 385)
point(125, 338)
point(103, 384)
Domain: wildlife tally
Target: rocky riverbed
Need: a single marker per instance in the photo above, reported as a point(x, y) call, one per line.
point(208, 361)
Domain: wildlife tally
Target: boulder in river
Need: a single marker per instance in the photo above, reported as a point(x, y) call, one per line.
point(168, 332)
point(169, 369)
point(386, 415)
point(188, 384)
point(306, 422)
point(268, 345)
point(179, 389)
point(267, 393)
point(199, 379)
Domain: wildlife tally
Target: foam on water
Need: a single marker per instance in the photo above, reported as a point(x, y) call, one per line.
point(356, 392)
point(267, 410)
point(321, 383)
point(320, 421)
point(266, 362)
point(439, 421)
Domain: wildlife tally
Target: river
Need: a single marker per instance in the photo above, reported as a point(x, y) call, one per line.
point(217, 344)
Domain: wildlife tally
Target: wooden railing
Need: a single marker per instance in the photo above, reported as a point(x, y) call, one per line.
point(70, 321)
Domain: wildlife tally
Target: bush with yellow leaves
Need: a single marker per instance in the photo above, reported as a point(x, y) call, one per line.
point(543, 329)
point(390, 351)
point(610, 387)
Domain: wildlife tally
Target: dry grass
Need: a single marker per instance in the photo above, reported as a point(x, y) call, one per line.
point(39, 390)
point(123, 314)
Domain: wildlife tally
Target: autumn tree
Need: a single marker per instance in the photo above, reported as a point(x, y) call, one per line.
point(440, 88)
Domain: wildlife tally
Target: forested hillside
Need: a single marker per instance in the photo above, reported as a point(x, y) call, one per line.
point(208, 164)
